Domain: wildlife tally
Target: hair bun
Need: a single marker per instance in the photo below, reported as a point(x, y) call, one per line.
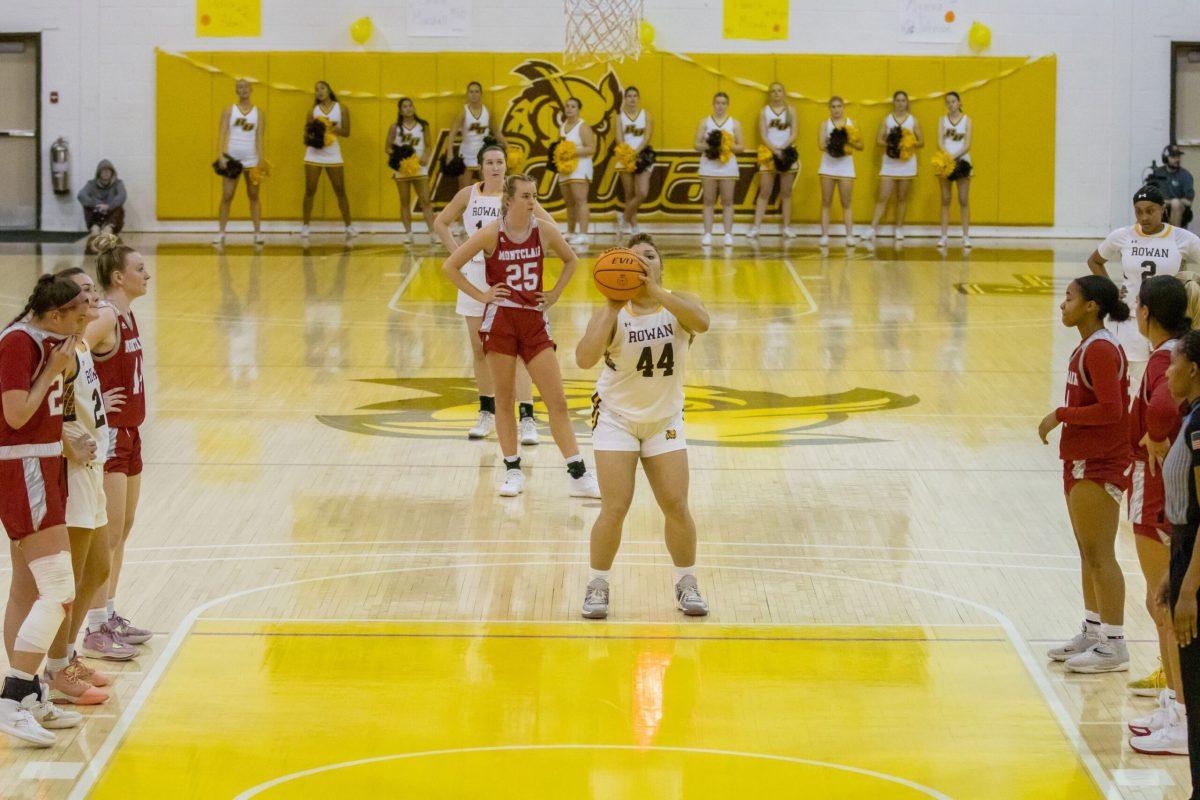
point(103, 242)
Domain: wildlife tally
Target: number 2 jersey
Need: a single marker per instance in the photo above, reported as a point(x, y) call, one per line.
point(642, 377)
point(121, 368)
point(83, 411)
point(24, 352)
point(1142, 256)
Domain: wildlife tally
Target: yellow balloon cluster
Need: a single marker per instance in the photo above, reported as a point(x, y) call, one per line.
point(566, 159)
point(515, 158)
point(726, 146)
point(908, 144)
point(979, 37)
point(943, 163)
point(646, 34)
point(624, 159)
point(361, 29)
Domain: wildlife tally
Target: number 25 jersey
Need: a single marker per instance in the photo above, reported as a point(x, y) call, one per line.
point(1141, 257)
point(519, 266)
point(642, 376)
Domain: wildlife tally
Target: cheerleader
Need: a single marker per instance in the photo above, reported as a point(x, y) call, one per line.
point(37, 358)
point(637, 414)
point(409, 130)
point(478, 205)
point(896, 173)
point(777, 130)
point(515, 323)
point(1094, 448)
point(715, 173)
point(954, 137)
point(633, 127)
point(1150, 247)
point(474, 124)
point(837, 167)
point(1164, 314)
point(336, 118)
point(576, 185)
point(240, 138)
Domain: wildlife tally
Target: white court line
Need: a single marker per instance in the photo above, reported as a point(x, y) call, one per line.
point(412, 273)
point(262, 787)
point(96, 766)
point(812, 304)
point(486, 621)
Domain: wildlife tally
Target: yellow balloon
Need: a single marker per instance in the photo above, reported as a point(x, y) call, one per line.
point(646, 34)
point(979, 37)
point(360, 30)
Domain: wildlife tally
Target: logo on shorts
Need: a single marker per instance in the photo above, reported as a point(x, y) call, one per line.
point(670, 434)
point(443, 408)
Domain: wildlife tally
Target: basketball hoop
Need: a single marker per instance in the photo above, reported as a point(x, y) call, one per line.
point(602, 29)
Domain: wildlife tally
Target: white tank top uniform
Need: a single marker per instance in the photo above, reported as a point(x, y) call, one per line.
point(898, 167)
point(330, 156)
point(953, 136)
point(414, 137)
point(85, 416)
point(779, 128)
point(583, 170)
point(474, 129)
point(482, 209)
point(712, 167)
point(638, 404)
point(1142, 256)
point(634, 130)
point(243, 136)
point(836, 167)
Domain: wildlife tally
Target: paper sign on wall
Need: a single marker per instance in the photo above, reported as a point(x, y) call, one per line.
point(931, 21)
point(756, 19)
point(439, 17)
point(228, 18)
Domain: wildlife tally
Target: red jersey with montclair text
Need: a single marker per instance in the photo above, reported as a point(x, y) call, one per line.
point(1096, 415)
point(1154, 412)
point(121, 368)
point(24, 351)
point(518, 265)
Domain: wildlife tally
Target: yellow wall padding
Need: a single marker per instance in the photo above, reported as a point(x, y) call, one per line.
point(1011, 102)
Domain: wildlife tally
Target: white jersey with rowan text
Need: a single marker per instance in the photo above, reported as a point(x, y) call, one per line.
point(642, 376)
point(84, 413)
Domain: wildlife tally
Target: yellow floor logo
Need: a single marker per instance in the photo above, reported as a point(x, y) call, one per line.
point(443, 408)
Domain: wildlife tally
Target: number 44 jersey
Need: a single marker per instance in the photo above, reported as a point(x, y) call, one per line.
point(1142, 256)
point(642, 378)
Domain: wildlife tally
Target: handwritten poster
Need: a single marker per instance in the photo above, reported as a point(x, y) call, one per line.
point(228, 18)
point(756, 19)
point(931, 21)
point(439, 17)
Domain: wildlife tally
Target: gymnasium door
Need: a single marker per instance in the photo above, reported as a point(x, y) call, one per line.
point(19, 132)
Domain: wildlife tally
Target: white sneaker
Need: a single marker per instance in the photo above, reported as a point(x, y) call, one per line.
point(752, 233)
point(585, 486)
point(259, 238)
point(527, 431)
point(728, 239)
point(851, 241)
point(788, 233)
point(17, 719)
point(635, 230)
point(1079, 643)
point(869, 236)
point(305, 231)
point(351, 231)
point(622, 226)
point(1169, 741)
point(966, 243)
point(483, 426)
point(54, 717)
point(583, 240)
point(823, 241)
point(688, 598)
point(219, 239)
point(1157, 719)
point(514, 483)
point(706, 240)
point(1106, 655)
point(942, 242)
point(595, 599)
point(899, 234)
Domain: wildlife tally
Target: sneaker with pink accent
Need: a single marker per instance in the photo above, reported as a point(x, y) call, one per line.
point(105, 644)
point(127, 632)
point(88, 675)
point(67, 687)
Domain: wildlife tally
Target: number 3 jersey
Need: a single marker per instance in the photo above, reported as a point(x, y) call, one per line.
point(1141, 257)
point(121, 368)
point(83, 411)
point(518, 265)
point(642, 377)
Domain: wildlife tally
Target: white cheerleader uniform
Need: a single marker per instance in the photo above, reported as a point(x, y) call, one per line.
point(638, 404)
point(482, 209)
point(1142, 256)
point(779, 129)
point(330, 156)
point(712, 167)
point(474, 129)
point(84, 415)
point(414, 137)
point(836, 167)
point(243, 136)
point(634, 130)
point(583, 170)
point(898, 167)
point(953, 137)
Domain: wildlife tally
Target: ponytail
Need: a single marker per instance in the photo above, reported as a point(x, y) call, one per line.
point(50, 292)
point(110, 261)
point(1191, 285)
point(1104, 293)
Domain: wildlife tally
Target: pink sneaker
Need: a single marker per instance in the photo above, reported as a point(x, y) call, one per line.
point(105, 644)
point(67, 687)
point(121, 627)
point(88, 675)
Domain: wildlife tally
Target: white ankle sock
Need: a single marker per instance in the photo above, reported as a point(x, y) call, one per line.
point(70, 652)
point(1111, 631)
point(1180, 709)
point(56, 664)
point(16, 673)
point(683, 572)
point(111, 606)
point(1091, 619)
point(598, 573)
point(95, 618)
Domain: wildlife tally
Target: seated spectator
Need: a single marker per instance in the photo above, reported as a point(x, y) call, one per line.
point(103, 200)
point(1175, 183)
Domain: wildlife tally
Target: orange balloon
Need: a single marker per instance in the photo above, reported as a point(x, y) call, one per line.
point(949, 16)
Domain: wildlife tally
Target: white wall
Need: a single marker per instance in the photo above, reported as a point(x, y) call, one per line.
point(1113, 79)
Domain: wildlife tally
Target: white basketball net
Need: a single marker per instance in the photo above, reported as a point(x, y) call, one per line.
point(599, 29)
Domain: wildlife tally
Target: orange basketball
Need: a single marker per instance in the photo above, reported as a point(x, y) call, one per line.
point(619, 274)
